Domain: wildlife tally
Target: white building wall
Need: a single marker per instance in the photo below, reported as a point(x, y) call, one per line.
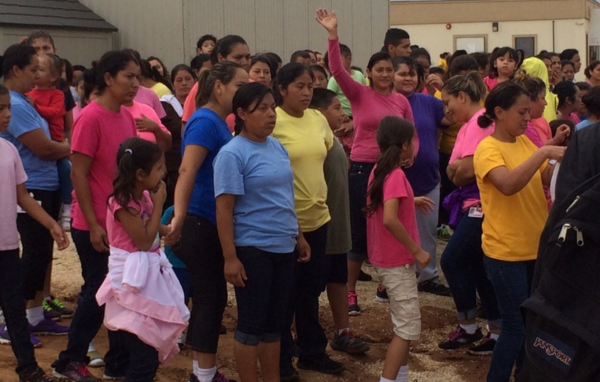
point(567, 34)
point(170, 29)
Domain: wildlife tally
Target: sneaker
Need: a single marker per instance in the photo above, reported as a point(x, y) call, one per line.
point(434, 286)
point(59, 307)
point(444, 232)
point(353, 308)
point(321, 363)
point(35, 375)
point(49, 328)
point(381, 294)
point(459, 337)
point(5, 337)
point(221, 378)
point(363, 276)
point(287, 373)
point(76, 372)
point(486, 347)
point(347, 342)
point(96, 359)
point(49, 312)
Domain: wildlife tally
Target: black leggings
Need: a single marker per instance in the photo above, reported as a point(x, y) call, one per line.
point(200, 251)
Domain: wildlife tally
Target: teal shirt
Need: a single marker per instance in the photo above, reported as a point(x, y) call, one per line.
point(174, 260)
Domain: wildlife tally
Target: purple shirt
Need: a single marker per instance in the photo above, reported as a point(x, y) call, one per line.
point(148, 97)
point(428, 112)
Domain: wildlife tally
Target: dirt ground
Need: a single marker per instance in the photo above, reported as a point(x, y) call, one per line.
point(427, 362)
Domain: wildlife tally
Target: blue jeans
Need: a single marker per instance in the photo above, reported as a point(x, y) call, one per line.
point(512, 283)
point(64, 180)
point(262, 301)
point(304, 302)
point(462, 263)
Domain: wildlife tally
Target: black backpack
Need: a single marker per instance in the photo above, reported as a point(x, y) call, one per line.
point(563, 313)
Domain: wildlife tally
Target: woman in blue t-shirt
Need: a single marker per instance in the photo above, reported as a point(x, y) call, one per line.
point(29, 132)
point(193, 228)
point(258, 229)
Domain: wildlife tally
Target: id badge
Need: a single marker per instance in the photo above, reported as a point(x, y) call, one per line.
point(22, 211)
point(475, 212)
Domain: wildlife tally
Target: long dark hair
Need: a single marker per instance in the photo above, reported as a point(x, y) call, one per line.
point(134, 154)
point(393, 132)
point(222, 71)
point(152, 73)
point(245, 97)
point(501, 52)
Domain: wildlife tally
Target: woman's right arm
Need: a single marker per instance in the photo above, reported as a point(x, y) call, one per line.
point(193, 157)
point(234, 269)
point(350, 88)
point(80, 168)
point(49, 150)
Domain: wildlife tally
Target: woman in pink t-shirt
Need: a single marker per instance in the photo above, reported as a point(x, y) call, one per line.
point(462, 259)
point(569, 101)
point(370, 104)
point(393, 239)
point(101, 127)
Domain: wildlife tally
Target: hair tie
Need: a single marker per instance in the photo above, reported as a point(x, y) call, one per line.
point(488, 117)
point(129, 151)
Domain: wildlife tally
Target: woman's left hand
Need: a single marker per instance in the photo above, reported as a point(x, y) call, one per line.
point(146, 124)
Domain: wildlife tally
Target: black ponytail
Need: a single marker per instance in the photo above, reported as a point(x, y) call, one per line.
point(504, 96)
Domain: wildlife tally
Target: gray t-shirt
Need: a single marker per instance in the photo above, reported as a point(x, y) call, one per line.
point(339, 239)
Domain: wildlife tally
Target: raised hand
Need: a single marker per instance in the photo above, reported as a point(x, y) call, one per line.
point(326, 19)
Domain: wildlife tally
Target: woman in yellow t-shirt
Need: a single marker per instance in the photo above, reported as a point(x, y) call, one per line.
point(306, 136)
point(510, 172)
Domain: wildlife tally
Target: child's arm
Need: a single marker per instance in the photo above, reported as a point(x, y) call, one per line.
point(32, 207)
point(234, 269)
point(55, 109)
point(394, 225)
point(144, 235)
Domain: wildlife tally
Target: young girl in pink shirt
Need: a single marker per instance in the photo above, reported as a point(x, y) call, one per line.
point(503, 64)
point(144, 307)
point(393, 240)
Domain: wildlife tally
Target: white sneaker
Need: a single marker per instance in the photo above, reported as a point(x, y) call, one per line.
point(181, 340)
point(66, 217)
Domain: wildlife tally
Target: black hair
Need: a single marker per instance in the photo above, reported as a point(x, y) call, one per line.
point(563, 63)
point(583, 86)
point(89, 85)
point(222, 71)
point(568, 54)
point(319, 68)
point(543, 55)
point(68, 68)
point(165, 70)
point(504, 96)
point(565, 91)
point(554, 125)
point(199, 60)
point(436, 70)
point(152, 73)
point(322, 98)
point(274, 56)
point(501, 52)
point(112, 62)
point(534, 85)
point(379, 56)
point(592, 101)
point(553, 54)
point(421, 52)
point(299, 53)
point(225, 46)
point(483, 59)
point(590, 68)
point(245, 97)
point(288, 74)
point(420, 72)
point(39, 34)
point(406, 60)
point(134, 154)
point(462, 63)
point(81, 68)
point(472, 85)
point(3, 90)
point(265, 60)
point(345, 50)
point(18, 55)
point(394, 36)
point(203, 39)
point(392, 134)
point(179, 68)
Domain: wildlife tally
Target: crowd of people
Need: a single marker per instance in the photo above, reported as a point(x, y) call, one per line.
point(281, 180)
